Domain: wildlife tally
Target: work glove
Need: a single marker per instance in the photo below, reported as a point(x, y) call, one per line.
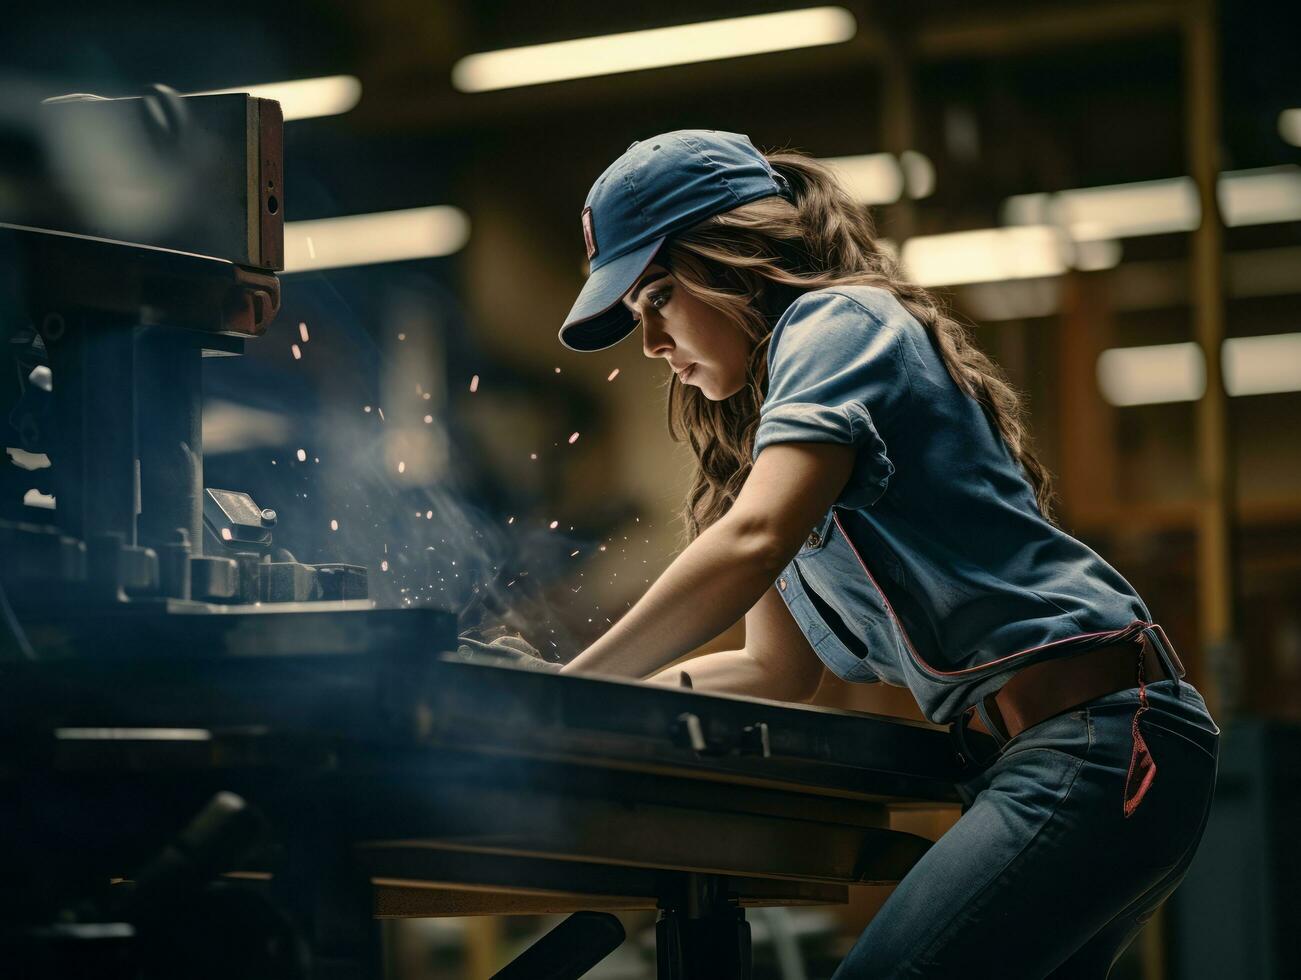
point(508, 649)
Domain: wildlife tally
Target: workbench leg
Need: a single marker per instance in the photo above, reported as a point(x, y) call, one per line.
point(331, 904)
point(703, 935)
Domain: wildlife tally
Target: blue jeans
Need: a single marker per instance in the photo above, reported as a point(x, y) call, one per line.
point(1044, 876)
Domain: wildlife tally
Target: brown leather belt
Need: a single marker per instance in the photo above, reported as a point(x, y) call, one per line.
point(1051, 687)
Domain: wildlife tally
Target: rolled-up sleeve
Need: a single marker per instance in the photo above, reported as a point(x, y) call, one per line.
point(834, 364)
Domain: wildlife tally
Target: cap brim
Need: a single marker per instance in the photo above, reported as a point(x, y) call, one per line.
point(598, 320)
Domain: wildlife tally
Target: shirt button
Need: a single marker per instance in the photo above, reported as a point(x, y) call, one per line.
point(815, 539)
point(781, 584)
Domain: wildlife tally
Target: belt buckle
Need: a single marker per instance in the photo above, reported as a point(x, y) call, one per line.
point(1156, 636)
point(968, 759)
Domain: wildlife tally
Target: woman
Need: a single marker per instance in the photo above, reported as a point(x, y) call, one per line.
point(866, 496)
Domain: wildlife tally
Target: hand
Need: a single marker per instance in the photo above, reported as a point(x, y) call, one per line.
point(510, 650)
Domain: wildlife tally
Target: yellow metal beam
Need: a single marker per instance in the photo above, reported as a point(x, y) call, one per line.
point(1216, 591)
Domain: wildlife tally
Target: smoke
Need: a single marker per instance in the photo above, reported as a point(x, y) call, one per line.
point(359, 446)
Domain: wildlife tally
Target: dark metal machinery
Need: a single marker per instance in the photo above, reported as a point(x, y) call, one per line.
point(218, 761)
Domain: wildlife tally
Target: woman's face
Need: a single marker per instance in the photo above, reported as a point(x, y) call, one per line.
point(702, 346)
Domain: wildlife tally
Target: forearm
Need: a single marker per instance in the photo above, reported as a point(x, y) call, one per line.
point(709, 586)
point(730, 672)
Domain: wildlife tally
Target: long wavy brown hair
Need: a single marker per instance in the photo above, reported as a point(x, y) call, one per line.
point(751, 263)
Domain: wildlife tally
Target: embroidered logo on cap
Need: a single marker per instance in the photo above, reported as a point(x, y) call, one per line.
point(589, 236)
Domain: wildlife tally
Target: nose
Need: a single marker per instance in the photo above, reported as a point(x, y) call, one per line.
point(654, 341)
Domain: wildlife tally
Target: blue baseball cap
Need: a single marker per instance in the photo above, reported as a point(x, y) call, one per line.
point(660, 186)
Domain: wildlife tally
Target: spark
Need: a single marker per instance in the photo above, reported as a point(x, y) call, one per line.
point(602, 547)
point(366, 409)
point(302, 455)
point(428, 419)
point(533, 455)
point(573, 554)
point(573, 438)
point(402, 465)
point(402, 336)
point(226, 535)
point(510, 520)
point(557, 370)
point(474, 384)
point(297, 352)
point(381, 414)
point(429, 516)
point(334, 525)
point(613, 374)
point(425, 396)
point(554, 525)
point(302, 331)
point(383, 566)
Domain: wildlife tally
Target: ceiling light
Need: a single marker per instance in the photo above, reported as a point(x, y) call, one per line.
point(362, 239)
point(1262, 365)
point(918, 174)
point(306, 97)
point(1159, 207)
point(1289, 126)
point(1260, 197)
point(1152, 375)
point(987, 255)
point(656, 48)
point(874, 178)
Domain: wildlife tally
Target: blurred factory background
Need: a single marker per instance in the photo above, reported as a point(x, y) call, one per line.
point(1109, 192)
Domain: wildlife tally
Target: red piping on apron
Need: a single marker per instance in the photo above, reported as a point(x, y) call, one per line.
point(1133, 629)
point(1142, 767)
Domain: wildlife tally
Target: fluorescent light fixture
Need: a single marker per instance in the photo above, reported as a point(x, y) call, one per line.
point(918, 174)
point(1159, 207)
point(1262, 365)
point(1152, 375)
point(1092, 256)
point(987, 255)
point(385, 236)
point(873, 178)
point(1260, 197)
point(1149, 207)
point(305, 98)
point(1020, 299)
point(134, 734)
point(1289, 126)
point(660, 47)
point(1177, 372)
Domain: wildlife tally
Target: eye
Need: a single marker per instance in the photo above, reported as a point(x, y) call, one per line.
point(658, 299)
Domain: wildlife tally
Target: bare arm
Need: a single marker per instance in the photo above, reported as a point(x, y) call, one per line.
point(777, 662)
point(728, 568)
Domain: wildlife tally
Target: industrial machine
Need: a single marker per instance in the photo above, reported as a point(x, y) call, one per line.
point(219, 761)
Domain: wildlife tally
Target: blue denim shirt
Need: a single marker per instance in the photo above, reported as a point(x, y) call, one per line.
point(934, 569)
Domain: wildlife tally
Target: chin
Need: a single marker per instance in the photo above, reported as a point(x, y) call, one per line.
point(715, 394)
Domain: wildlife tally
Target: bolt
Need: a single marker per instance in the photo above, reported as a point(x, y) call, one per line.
point(268, 516)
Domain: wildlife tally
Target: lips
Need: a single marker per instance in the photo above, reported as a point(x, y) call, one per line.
point(684, 372)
